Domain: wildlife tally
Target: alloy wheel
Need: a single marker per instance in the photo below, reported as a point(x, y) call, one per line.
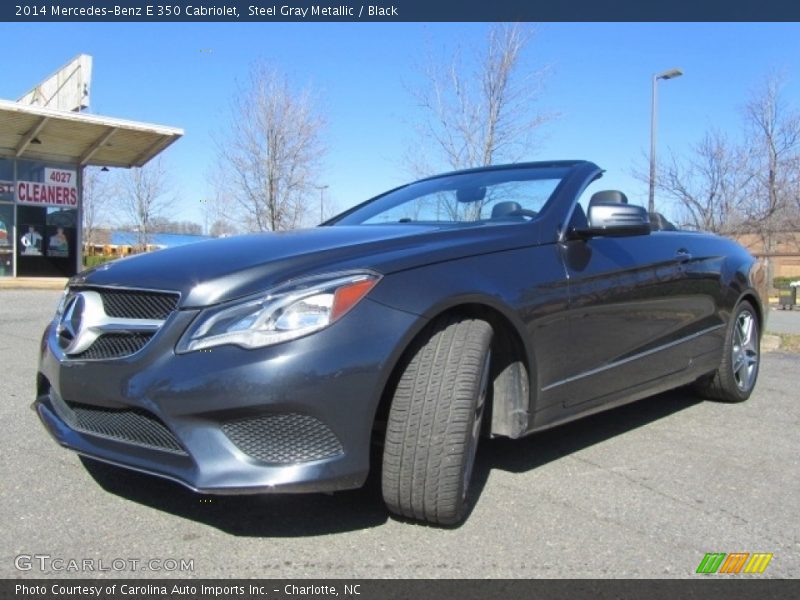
point(744, 354)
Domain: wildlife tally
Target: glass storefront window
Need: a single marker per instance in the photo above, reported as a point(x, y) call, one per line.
point(6, 240)
point(6, 168)
point(6, 180)
point(45, 239)
point(6, 217)
point(34, 170)
point(61, 232)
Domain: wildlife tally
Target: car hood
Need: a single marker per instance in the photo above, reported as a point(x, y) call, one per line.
point(214, 271)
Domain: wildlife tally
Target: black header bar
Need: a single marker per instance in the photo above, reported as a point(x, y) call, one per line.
point(397, 10)
point(705, 587)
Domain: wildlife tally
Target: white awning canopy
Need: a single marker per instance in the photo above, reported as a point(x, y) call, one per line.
point(35, 133)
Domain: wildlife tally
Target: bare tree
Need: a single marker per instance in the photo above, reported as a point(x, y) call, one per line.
point(166, 225)
point(750, 188)
point(708, 186)
point(96, 197)
point(773, 139)
point(480, 113)
point(270, 158)
point(219, 209)
point(145, 198)
point(222, 228)
point(773, 136)
point(219, 213)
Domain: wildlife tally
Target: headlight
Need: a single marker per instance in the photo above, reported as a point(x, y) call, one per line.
point(284, 313)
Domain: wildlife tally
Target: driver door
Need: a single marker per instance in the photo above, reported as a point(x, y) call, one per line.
point(626, 306)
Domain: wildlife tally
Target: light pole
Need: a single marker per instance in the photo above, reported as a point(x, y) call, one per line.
point(669, 74)
point(321, 189)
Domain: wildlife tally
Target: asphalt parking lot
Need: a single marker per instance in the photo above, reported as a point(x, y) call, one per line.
point(784, 321)
point(641, 491)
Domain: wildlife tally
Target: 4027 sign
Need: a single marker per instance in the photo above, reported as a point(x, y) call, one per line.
point(61, 177)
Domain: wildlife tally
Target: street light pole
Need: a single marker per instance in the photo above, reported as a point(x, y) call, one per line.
point(321, 189)
point(669, 74)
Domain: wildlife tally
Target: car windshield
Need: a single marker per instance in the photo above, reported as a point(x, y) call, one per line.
point(493, 196)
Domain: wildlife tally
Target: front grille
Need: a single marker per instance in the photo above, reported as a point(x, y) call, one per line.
point(115, 345)
point(118, 342)
point(131, 425)
point(137, 304)
point(283, 439)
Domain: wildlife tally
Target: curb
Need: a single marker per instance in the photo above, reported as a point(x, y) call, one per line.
point(770, 342)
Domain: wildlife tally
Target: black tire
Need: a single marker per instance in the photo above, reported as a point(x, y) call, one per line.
point(736, 376)
point(434, 422)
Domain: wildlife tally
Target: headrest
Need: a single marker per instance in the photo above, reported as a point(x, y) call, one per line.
point(501, 209)
point(609, 196)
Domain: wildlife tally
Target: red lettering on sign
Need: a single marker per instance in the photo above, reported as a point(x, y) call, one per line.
point(31, 192)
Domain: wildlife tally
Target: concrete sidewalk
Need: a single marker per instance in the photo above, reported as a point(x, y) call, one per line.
point(33, 283)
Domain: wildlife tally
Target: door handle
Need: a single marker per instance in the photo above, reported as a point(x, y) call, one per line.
point(683, 255)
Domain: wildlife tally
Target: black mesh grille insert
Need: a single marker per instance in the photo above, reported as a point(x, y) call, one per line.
point(130, 425)
point(283, 439)
point(115, 345)
point(131, 304)
point(127, 304)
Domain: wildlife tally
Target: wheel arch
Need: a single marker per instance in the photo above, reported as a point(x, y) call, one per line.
point(512, 368)
point(752, 297)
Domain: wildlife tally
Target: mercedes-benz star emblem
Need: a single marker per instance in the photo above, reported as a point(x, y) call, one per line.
point(83, 321)
point(70, 323)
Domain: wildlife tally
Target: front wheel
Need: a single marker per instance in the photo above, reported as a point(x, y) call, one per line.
point(435, 421)
point(736, 376)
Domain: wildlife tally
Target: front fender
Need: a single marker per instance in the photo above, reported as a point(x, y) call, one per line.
point(522, 291)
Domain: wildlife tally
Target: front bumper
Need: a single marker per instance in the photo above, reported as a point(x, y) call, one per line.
point(295, 417)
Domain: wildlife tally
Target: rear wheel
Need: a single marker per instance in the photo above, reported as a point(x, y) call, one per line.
point(736, 376)
point(435, 421)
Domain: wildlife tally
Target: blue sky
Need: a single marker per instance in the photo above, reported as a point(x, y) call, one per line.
point(185, 75)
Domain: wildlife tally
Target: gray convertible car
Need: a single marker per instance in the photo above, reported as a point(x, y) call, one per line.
point(498, 301)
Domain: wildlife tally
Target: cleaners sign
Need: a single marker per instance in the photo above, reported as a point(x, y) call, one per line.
point(58, 189)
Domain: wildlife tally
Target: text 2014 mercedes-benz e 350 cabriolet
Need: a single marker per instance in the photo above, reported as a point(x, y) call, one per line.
point(497, 301)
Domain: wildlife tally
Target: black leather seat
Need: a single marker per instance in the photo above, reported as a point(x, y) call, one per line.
point(608, 196)
point(659, 222)
point(505, 209)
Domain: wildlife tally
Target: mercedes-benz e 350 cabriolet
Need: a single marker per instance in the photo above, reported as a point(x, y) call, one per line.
point(497, 301)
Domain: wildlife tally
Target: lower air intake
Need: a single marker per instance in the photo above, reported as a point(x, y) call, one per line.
point(283, 439)
point(133, 426)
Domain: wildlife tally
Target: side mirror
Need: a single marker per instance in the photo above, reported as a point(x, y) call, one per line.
point(613, 219)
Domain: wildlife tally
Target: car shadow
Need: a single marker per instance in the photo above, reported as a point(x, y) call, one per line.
point(262, 515)
point(301, 515)
point(526, 454)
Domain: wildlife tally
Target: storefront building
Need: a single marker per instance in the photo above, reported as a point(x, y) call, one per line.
point(42, 156)
point(38, 218)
